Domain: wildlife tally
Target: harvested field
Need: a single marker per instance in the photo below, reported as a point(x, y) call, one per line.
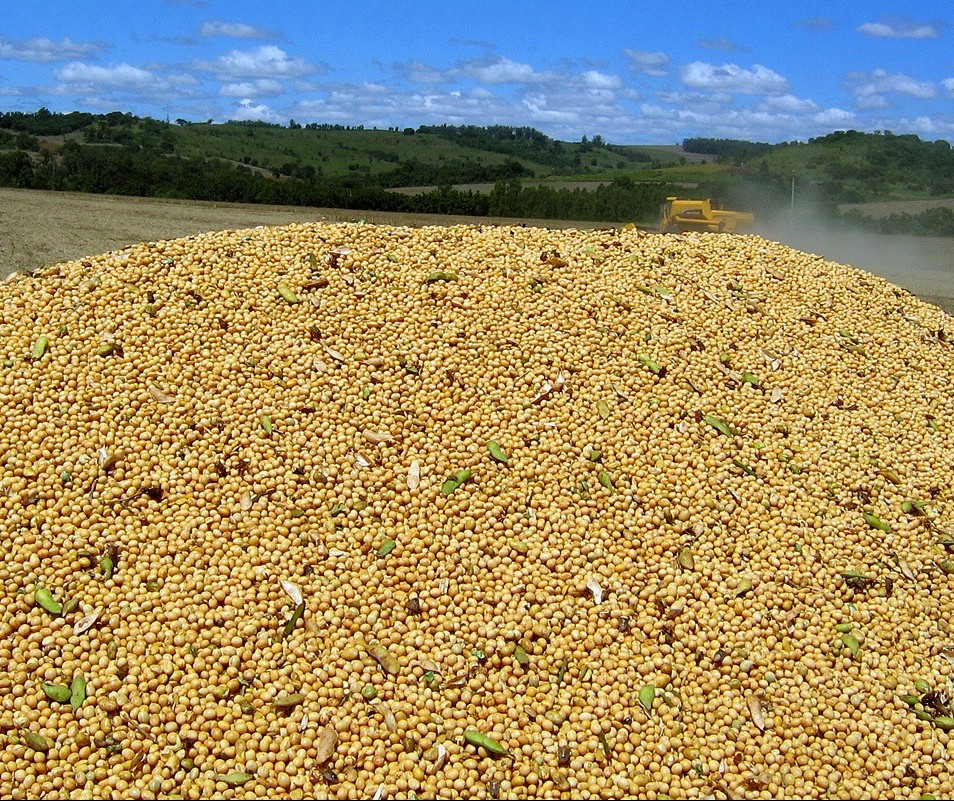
point(38, 228)
point(354, 511)
point(887, 208)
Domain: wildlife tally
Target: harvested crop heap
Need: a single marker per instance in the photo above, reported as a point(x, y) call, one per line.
point(350, 510)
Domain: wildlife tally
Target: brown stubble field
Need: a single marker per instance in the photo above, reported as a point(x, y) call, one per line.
point(39, 228)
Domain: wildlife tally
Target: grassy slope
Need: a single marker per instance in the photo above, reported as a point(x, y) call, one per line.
point(339, 153)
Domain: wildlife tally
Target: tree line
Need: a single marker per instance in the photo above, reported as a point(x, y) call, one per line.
point(132, 170)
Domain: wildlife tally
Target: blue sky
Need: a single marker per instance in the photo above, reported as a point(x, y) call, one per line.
point(632, 72)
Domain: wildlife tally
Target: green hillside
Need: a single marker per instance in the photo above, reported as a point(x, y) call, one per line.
point(856, 167)
point(477, 171)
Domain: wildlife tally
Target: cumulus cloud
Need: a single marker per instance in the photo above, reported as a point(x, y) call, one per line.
point(648, 62)
point(247, 110)
point(789, 104)
point(92, 77)
point(592, 79)
point(899, 28)
point(46, 51)
point(267, 61)
point(871, 88)
point(263, 87)
point(235, 30)
point(834, 118)
point(503, 70)
point(759, 80)
point(948, 84)
point(418, 72)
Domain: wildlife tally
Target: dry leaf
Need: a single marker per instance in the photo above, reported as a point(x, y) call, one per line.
point(771, 359)
point(84, 624)
point(332, 353)
point(246, 501)
point(414, 475)
point(429, 664)
point(544, 393)
point(389, 662)
point(361, 460)
point(377, 437)
point(389, 720)
point(158, 395)
point(293, 591)
point(594, 587)
point(776, 395)
point(755, 709)
point(327, 743)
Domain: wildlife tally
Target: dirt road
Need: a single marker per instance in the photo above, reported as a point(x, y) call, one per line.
point(38, 228)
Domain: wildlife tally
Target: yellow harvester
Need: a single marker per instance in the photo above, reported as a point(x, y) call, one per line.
point(679, 215)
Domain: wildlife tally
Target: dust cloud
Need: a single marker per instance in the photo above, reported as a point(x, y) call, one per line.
point(923, 265)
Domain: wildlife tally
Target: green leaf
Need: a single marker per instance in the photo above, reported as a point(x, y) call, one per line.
point(37, 741)
point(876, 522)
point(386, 547)
point(647, 695)
point(296, 616)
point(77, 691)
point(851, 642)
point(720, 425)
point(286, 292)
point(606, 480)
point(452, 483)
point(917, 508)
point(39, 347)
point(497, 452)
point(440, 275)
point(844, 628)
point(56, 692)
point(481, 740)
point(45, 599)
point(233, 779)
point(650, 364)
point(744, 468)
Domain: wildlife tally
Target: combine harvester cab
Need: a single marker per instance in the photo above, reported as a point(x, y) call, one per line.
point(679, 215)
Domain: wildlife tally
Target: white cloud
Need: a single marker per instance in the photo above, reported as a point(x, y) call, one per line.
point(834, 118)
point(246, 110)
point(235, 30)
point(648, 62)
point(948, 84)
point(598, 80)
point(899, 28)
point(267, 61)
point(91, 77)
point(870, 88)
point(503, 70)
point(789, 104)
point(46, 51)
point(259, 88)
point(418, 72)
point(732, 78)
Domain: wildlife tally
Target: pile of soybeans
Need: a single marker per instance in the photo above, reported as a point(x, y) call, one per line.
point(358, 511)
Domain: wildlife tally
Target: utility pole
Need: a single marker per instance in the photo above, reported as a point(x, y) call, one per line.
point(793, 202)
